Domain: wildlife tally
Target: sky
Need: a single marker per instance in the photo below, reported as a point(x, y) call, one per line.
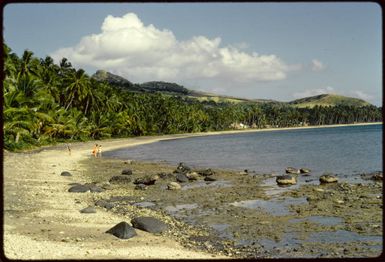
point(280, 51)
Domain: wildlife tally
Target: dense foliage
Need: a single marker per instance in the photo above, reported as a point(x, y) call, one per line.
point(45, 103)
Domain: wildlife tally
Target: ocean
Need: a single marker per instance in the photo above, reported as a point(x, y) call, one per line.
point(341, 150)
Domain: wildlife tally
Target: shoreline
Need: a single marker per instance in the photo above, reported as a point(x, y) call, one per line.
point(157, 138)
point(35, 192)
point(40, 213)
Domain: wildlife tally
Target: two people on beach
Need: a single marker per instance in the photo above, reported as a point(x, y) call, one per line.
point(97, 150)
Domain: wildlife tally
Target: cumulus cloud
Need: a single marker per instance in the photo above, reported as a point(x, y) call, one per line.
point(314, 92)
point(317, 65)
point(139, 52)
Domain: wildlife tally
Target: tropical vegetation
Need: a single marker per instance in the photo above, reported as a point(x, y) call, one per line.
point(45, 103)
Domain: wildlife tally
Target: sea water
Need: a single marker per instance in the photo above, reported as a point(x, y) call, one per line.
point(342, 150)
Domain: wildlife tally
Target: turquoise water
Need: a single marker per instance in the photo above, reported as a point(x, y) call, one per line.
point(341, 150)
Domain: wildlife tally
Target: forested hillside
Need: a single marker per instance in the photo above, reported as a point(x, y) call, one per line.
point(46, 103)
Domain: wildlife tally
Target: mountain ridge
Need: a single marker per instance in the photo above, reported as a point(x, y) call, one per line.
point(170, 88)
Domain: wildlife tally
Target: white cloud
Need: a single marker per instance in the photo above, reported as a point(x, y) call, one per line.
point(317, 65)
point(314, 92)
point(362, 95)
point(127, 47)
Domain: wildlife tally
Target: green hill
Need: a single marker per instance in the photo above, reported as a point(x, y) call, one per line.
point(328, 100)
point(174, 89)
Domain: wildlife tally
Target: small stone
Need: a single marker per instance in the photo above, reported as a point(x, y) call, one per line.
point(192, 175)
point(304, 170)
point(66, 173)
point(328, 179)
point(79, 189)
point(127, 172)
point(286, 180)
point(292, 170)
point(173, 186)
point(88, 210)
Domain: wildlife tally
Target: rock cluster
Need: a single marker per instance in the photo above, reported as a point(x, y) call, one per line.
point(182, 168)
point(147, 180)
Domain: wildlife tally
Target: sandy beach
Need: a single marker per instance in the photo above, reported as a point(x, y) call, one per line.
point(42, 219)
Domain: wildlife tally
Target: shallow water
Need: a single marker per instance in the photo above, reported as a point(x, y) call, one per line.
point(177, 208)
point(199, 184)
point(342, 150)
point(322, 220)
point(341, 236)
point(274, 207)
point(144, 204)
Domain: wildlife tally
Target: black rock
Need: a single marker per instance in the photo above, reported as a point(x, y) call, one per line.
point(105, 204)
point(79, 189)
point(182, 168)
point(122, 231)
point(206, 172)
point(88, 210)
point(209, 178)
point(121, 179)
point(181, 178)
point(147, 180)
point(149, 224)
point(126, 172)
point(65, 173)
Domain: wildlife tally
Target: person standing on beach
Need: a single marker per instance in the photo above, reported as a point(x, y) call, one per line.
point(95, 150)
point(68, 148)
point(99, 153)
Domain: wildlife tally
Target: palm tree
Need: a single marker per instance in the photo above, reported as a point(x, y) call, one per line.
point(78, 87)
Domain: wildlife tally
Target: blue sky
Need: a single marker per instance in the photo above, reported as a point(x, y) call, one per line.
point(254, 50)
